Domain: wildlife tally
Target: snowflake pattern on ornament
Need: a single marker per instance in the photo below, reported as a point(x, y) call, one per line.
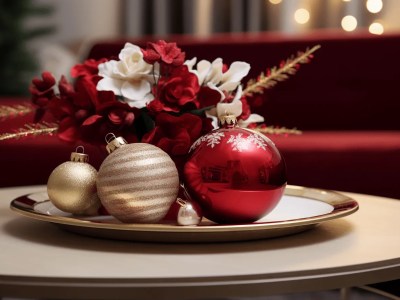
point(258, 140)
point(212, 139)
point(240, 143)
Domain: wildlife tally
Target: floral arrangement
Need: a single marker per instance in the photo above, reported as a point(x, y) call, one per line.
point(152, 95)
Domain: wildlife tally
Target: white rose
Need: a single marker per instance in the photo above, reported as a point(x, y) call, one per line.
point(129, 77)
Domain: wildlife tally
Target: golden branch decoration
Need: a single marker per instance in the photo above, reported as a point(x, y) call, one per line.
point(9, 111)
point(43, 128)
point(275, 75)
point(277, 130)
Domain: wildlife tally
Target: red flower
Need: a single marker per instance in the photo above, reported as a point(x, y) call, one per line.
point(63, 109)
point(162, 51)
point(68, 130)
point(75, 105)
point(111, 116)
point(176, 134)
point(245, 109)
point(176, 91)
point(86, 95)
point(89, 68)
point(42, 91)
point(208, 97)
point(65, 87)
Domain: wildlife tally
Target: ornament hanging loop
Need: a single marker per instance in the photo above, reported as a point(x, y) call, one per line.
point(181, 202)
point(114, 142)
point(80, 147)
point(79, 156)
point(109, 137)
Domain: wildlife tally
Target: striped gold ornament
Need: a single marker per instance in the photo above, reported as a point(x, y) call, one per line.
point(137, 183)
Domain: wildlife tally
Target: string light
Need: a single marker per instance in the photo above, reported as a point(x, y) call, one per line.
point(374, 6)
point(302, 16)
point(376, 28)
point(349, 23)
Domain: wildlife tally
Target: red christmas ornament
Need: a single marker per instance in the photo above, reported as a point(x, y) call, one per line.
point(236, 175)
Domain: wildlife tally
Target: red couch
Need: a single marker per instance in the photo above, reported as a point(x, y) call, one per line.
point(346, 102)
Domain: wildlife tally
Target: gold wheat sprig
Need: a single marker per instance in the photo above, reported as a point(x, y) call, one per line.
point(277, 130)
point(10, 111)
point(277, 74)
point(31, 129)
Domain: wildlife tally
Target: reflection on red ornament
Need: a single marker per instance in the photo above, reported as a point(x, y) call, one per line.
point(237, 175)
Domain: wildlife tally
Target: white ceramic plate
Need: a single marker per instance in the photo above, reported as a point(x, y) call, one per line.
point(300, 209)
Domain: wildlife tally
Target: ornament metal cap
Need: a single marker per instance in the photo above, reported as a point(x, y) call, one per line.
point(79, 156)
point(228, 120)
point(114, 142)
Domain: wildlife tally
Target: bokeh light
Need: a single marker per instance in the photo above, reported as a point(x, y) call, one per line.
point(376, 28)
point(374, 6)
point(302, 16)
point(349, 23)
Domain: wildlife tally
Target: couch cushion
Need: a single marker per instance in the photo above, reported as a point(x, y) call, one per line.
point(357, 161)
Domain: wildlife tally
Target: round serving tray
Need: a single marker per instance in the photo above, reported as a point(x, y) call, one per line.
point(300, 209)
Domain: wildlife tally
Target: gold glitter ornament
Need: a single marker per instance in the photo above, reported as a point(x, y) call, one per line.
point(137, 183)
point(71, 186)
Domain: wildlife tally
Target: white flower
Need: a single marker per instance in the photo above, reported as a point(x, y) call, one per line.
point(253, 118)
point(129, 77)
point(212, 75)
point(235, 108)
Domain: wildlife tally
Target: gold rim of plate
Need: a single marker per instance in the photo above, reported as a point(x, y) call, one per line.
point(342, 206)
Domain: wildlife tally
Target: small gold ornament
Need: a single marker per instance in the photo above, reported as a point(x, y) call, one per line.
point(137, 183)
point(72, 185)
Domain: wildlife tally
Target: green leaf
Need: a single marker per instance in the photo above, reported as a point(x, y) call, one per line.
point(143, 124)
point(200, 112)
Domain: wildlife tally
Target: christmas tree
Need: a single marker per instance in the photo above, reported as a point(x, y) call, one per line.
point(17, 63)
